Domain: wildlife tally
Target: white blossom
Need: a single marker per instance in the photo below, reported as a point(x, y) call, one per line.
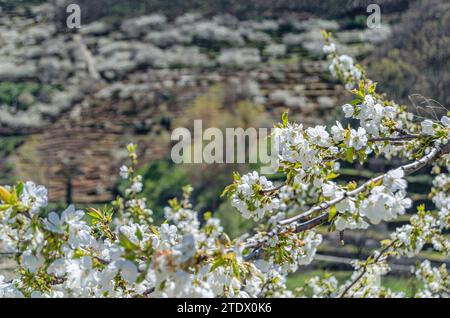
point(331, 48)
point(318, 136)
point(348, 110)
point(124, 172)
point(427, 127)
point(248, 202)
point(34, 196)
point(358, 138)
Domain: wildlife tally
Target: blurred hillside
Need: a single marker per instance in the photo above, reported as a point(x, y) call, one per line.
point(416, 60)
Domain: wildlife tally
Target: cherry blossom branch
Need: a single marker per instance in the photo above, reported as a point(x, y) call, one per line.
point(407, 169)
point(397, 138)
point(394, 139)
point(308, 224)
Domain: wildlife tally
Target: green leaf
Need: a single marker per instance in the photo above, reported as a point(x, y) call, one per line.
point(230, 189)
point(94, 213)
point(207, 215)
point(372, 88)
point(355, 102)
point(219, 262)
point(4, 207)
point(139, 234)
point(140, 278)
point(333, 212)
point(332, 176)
point(126, 243)
point(236, 270)
point(421, 208)
point(19, 189)
point(349, 154)
point(284, 118)
point(14, 212)
point(155, 231)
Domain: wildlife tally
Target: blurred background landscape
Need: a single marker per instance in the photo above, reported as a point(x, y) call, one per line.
point(71, 99)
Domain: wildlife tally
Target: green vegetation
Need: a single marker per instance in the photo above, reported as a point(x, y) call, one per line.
point(8, 144)
point(395, 73)
point(397, 284)
point(21, 96)
point(162, 180)
point(357, 22)
point(232, 221)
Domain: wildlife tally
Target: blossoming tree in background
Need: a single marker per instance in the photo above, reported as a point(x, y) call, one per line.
point(119, 252)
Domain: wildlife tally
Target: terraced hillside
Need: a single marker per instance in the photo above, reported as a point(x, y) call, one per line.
point(133, 78)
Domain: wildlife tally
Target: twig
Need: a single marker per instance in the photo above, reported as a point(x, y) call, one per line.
point(149, 291)
point(101, 260)
point(398, 138)
point(364, 271)
point(266, 191)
